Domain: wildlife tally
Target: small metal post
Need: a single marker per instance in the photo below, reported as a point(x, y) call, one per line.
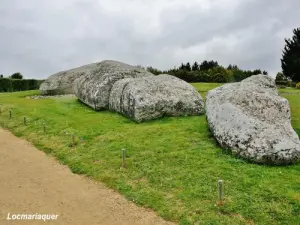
point(10, 114)
point(220, 190)
point(44, 128)
point(123, 158)
point(25, 122)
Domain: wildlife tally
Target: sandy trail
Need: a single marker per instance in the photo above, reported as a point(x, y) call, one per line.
point(32, 182)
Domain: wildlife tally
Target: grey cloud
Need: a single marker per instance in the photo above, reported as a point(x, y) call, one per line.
point(264, 18)
point(39, 38)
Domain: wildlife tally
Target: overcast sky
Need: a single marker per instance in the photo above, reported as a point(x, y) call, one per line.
point(41, 37)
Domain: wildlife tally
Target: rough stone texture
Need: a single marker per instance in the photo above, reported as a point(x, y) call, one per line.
point(62, 82)
point(94, 88)
point(153, 97)
point(253, 121)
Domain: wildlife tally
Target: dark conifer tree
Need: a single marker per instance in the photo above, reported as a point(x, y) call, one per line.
point(195, 66)
point(290, 61)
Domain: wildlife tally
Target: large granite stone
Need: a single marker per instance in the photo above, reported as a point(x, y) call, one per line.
point(62, 82)
point(94, 87)
point(253, 121)
point(149, 98)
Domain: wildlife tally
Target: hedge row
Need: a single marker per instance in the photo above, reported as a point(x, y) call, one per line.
point(286, 83)
point(10, 85)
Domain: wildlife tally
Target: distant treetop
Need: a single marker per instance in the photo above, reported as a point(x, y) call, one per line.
point(17, 76)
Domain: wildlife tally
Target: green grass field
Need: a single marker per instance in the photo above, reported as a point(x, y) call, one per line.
point(173, 164)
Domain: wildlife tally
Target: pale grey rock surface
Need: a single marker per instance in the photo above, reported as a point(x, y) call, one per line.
point(62, 82)
point(94, 87)
point(253, 121)
point(149, 98)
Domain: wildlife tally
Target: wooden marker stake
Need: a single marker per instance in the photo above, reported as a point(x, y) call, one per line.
point(220, 191)
point(73, 140)
point(123, 158)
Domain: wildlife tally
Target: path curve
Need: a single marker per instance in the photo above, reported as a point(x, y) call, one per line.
point(32, 182)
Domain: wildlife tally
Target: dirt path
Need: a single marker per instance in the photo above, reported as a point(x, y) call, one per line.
point(32, 182)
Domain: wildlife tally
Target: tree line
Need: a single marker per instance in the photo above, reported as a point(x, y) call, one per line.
point(211, 71)
point(208, 71)
point(15, 82)
point(17, 75)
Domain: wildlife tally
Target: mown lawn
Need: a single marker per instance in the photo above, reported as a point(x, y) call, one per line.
point(204, 87)
point(289, 90)
point(173, 164)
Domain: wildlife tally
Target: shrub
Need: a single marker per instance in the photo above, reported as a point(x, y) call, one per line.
point(220, 75)
point(286, 83)
point(239, 75)
point(298, 85)
point(19, 85)
point(5, 85)
point(293, 84)
point(281, 86)
point(282, 83)
point(9, 85)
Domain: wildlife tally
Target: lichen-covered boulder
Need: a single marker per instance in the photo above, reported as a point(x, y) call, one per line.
point(94, 87)
point(62, 82)
point(149, 98)
point(253, 121)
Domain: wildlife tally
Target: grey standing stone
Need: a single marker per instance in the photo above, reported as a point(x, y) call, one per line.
point(253, 121)
point(149, 98)
point(62, 82)
point(94, 87)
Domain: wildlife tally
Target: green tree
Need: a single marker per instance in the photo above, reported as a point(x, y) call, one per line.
point(232, 67)
point(219, 74)
point(17, 76)
point(188, 66)
point(206, 65)
point(195, 66)
point(290, 61)
point(1, 76)
point(280, 77)
point(153, 70)
point(256, 72)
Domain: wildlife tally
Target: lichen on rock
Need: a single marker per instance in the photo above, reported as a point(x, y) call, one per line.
point(94, 87)
point(252, 120)
point(148, 98)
